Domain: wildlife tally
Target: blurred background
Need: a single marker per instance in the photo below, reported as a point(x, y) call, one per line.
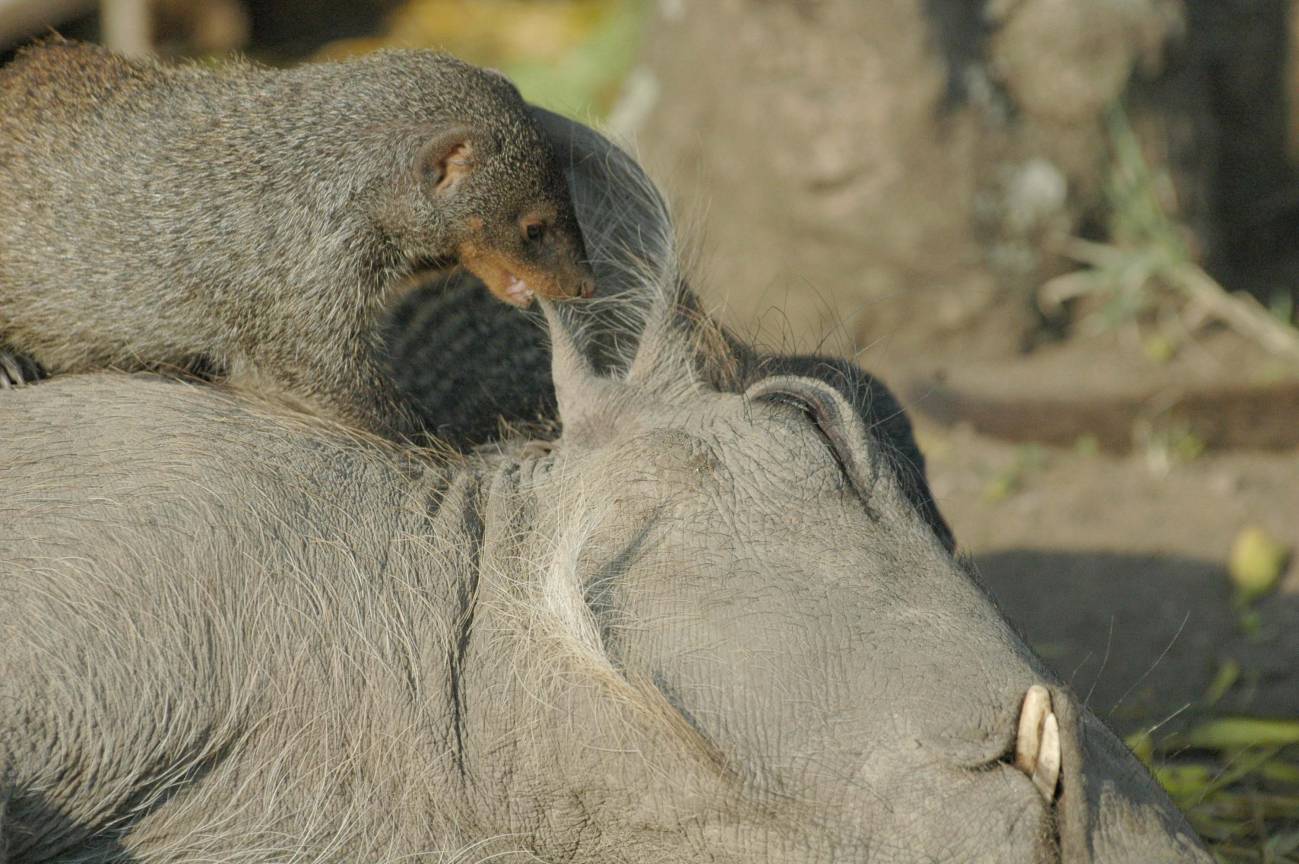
point(1067, 233)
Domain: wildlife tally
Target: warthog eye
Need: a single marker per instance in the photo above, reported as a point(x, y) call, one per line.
point(808, 408)
point(834, 429)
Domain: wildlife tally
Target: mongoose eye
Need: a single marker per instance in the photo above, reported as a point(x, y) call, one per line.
point(534, 231)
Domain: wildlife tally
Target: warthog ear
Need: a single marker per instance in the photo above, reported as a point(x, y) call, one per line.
point(625, 222)
point(629, 240)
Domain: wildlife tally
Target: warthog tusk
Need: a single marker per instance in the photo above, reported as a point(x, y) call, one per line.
point(1037, 743)
point(1047, 773)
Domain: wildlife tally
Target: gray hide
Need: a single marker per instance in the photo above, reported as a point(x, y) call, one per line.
point(703, 625)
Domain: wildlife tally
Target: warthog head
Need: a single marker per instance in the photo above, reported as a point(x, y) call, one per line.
point(760, 650)
point(713, 621)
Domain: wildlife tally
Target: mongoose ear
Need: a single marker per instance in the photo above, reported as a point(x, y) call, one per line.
point(445, 159)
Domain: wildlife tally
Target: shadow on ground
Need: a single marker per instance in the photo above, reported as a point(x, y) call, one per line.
point(1141, 637)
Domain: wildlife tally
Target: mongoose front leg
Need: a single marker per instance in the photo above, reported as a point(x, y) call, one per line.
point(17, 369)
point(350, 385)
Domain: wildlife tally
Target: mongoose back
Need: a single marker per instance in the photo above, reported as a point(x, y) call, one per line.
point(260, 220)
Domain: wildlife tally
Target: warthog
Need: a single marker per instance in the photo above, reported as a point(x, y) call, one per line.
point(715, 620)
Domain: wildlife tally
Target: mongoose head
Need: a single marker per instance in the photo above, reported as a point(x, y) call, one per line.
point(488, 192)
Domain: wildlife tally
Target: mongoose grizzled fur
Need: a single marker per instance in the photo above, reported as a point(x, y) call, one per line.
point(258, 221)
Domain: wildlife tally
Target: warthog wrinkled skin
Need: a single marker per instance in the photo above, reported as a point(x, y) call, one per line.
point(709, 623)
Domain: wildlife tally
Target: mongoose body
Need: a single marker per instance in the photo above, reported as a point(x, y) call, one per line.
point(260, 220)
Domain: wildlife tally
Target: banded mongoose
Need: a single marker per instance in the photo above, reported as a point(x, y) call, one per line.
point(258, 221)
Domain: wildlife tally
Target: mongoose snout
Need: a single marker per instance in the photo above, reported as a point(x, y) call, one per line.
point(517, 281)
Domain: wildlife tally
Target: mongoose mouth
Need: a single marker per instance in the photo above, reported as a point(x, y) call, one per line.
point(515, 283)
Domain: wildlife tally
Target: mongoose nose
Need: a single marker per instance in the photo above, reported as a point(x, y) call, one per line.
point(586, 288)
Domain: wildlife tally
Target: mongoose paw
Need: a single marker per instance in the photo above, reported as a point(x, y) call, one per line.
point(516, 292)
point(17, 370)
